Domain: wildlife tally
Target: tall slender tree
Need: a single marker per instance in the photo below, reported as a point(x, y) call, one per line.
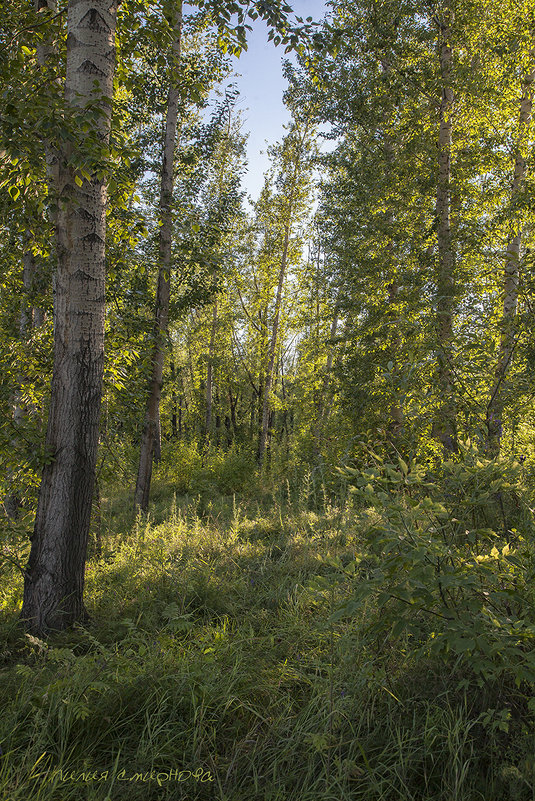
point(54, 579)
point(293, 185)
point(511, 273)
point(163, 293)
point(444, 428)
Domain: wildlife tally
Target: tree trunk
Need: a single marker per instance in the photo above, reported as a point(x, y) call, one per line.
point(174, 406)
point(323, 404)
point(254, 406)
point(54, 579)
point(209, 376)
point(233, 402)
point(263, 348)
point(291, 194)
point(152, 412)
point(444, 427)
point(395, 424)
point(495, 406)
point(217, 421)
point(268, 380)
point(157, 446)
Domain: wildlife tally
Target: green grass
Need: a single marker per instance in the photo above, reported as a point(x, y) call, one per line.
point(210, 652)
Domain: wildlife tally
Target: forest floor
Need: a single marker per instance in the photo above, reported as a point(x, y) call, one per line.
point(213, 668)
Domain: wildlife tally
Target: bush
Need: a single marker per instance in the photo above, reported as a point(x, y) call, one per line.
point(190, 471)
point(450, 562)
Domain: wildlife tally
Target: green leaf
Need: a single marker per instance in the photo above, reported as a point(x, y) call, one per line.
point(399, 627)
point(403, 465)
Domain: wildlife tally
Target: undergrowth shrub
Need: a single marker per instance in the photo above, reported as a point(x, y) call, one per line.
point(449, 565)
point(191, 471)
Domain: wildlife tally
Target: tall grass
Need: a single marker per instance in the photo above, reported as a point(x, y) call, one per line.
point(211, 651)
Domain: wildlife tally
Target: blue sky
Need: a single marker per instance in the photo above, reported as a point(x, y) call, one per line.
point(261, 87)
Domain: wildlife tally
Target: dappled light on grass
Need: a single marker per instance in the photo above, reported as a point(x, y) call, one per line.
point(212, 645)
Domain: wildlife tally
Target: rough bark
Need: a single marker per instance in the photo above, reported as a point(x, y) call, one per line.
point(444, 427)
point(54, 579)
point(253, 409)
point(163, 292)
point(511, 276)
point(217, 421)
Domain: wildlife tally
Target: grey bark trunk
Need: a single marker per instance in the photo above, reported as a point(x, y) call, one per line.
point(511, 276)
point(152, 412)
point(54, 579)
point(444, 427)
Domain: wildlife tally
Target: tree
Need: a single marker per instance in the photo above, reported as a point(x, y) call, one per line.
point(275, 15)
point(444, 427)
point(417, 210)
point(54, 579)
point(152, 415)
point(281, 213)
point(511, 273)
point(53, 596)
point(376, 200)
